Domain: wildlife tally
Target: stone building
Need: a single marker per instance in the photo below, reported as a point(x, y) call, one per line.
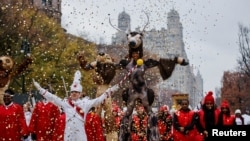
point(167, 43)
point(52, 8)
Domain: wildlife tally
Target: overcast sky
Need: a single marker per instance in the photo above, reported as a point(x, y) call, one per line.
point(210, 27)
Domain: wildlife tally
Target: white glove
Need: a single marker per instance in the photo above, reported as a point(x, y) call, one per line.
point(111, 90)
point(38, 87)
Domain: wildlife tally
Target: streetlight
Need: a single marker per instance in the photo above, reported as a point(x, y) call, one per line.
point(240, 102)
point(25, 47)
point(26, 50)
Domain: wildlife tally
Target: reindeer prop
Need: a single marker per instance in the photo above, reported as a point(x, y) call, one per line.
point(138, 88)
point(134, 38)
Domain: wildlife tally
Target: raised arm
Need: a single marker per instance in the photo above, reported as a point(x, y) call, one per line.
point(49, 96)
point(97, 101)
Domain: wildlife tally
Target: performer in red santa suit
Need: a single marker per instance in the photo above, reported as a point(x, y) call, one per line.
point(184, 123)
point(115, 112)
point(75, 108)
point(13, 125)
point(93, 126)
point(225, 116)
point(139, 125)
point(208, 116)
point(165, 123)
point(60, 125)
point(43, 120)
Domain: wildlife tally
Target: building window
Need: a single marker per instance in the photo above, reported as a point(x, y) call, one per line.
point(31, 2)
point(49, 2)
point(44, 2)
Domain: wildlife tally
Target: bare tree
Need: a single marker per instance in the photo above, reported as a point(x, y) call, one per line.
point(244, 48)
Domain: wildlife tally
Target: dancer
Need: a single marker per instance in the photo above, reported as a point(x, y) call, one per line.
point(208, 116)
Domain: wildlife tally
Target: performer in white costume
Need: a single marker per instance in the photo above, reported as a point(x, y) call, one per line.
point(75, 108)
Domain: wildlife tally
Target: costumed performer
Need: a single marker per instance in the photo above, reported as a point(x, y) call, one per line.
point(75, 108)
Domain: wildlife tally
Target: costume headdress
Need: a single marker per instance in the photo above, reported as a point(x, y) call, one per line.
point(76, 85)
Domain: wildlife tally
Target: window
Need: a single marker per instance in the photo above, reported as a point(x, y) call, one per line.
point(49, 2)
point(44, 2)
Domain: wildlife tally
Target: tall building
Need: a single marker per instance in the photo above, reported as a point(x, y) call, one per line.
point(52, 8)
point(168, 43)
point(123, 25)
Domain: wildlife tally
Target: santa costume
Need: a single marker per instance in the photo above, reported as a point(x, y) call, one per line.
point(12, 121)
point(43, 120)
point(93, 127)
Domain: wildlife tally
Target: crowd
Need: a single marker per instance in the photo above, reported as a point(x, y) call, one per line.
point(74, 118)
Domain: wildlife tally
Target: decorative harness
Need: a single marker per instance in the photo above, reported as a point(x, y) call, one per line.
point(78, 109)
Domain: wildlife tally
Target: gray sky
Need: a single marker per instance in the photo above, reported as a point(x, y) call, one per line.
point(210, 27)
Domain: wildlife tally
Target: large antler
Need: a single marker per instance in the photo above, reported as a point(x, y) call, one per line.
point(114, 26)
point(143, 30)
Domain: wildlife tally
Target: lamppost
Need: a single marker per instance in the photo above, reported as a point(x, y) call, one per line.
point(25, 47)
point(26, 50)
point(240, 102)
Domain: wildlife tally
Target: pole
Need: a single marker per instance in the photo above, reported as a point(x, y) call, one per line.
point(65, 87)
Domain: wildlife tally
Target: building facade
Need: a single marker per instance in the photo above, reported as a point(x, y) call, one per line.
point(167, 43)
point(52, 8)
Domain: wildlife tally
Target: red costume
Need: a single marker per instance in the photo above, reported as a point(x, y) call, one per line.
point(208, 116)
point(60, 126)
point(225, 118)
point(164, 124)
point(117, 117)
point(184, 119)
point(139, 127)
point(43, 120)
point(93, 127)
point(203, 122)
point(12, 123)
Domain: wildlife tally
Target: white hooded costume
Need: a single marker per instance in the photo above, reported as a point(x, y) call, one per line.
point(74, 129)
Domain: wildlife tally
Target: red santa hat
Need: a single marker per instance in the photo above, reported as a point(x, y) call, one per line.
point(76, 85)
point(224, 104)
point(209, 97)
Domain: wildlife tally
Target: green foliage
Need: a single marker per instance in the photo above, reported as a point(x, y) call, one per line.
point(53, 51)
